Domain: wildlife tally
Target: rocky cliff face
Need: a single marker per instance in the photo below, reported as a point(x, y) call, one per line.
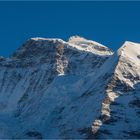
point(50, 88)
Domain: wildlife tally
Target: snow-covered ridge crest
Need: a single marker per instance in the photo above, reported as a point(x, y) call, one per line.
point(90, 45)
point(77, 40)
point(47, 39)
point(38, 44)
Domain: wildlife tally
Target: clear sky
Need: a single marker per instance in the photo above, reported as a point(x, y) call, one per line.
point(109, 23)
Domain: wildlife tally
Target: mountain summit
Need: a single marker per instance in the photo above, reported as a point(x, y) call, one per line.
point(50, 89)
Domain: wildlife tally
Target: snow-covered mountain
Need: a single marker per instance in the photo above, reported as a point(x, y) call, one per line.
point(50, 88)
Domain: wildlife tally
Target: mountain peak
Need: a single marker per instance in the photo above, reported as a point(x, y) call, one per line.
point(81, 40)
point(89, 45)
point(130, 50)
point(36, 47)
point(128, 44)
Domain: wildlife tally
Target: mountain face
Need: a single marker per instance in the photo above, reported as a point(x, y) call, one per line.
point(50, 88)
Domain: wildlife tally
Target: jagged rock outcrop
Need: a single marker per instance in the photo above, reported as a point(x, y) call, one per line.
point(50, 88)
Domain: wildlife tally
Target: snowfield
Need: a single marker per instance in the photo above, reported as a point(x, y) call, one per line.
point(80, 89)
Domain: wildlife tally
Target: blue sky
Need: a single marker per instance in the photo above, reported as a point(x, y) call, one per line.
point(110, 23)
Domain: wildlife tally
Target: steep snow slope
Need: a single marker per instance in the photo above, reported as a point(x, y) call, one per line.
point(50, 88)
point(119, 116)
